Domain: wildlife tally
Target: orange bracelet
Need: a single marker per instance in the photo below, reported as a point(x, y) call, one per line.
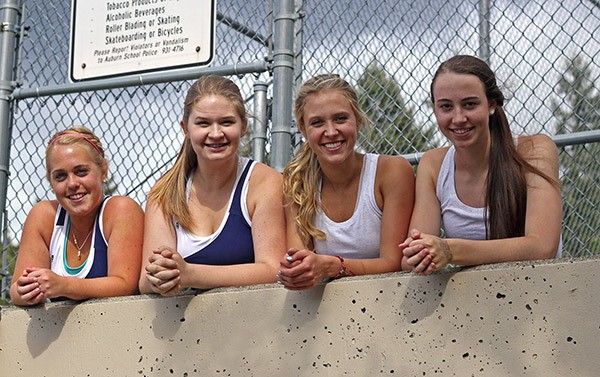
point(344, 271)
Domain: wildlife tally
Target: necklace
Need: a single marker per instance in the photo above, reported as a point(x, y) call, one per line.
point(82, 245)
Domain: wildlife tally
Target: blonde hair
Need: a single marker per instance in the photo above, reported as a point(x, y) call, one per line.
point(169, 192)
point(302, 174)
point(83, 137)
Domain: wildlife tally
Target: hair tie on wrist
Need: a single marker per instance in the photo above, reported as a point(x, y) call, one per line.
point(344, 270)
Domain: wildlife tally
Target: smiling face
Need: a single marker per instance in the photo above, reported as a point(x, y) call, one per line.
point(214, 128)
point(462, 109)
point(75, 178)
point(330, 126)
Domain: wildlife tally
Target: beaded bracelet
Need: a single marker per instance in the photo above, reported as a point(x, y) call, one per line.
point(344, 270)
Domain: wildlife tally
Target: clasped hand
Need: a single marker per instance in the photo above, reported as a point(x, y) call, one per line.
point(425, 253)
point(164, 271)
point(301, 269)
point(35, 285)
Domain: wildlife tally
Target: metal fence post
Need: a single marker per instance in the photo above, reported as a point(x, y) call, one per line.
point(283, 80)
point(10, 11)
point(259, 131)
point(484, 30)
point(298, 78)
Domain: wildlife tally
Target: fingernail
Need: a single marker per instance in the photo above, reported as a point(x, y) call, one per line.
point(279, 282)
point(289, 258)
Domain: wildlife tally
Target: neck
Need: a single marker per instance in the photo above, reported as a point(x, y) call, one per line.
point(474, 161)
point(343, 175)
point(81, 226)
point(474, 157)
point(215, 175)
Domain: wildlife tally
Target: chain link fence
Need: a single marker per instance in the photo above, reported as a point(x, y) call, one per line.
point(545, 52)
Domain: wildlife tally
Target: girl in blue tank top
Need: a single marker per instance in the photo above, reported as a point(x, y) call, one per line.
point(214, 219)
point(81, 245)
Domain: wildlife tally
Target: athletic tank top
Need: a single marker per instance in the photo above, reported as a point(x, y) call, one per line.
point(96, 264)
point(458, 219)
point(232, 242)
point(359, 236)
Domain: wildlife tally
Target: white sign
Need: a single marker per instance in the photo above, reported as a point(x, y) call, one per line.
point(123, 37)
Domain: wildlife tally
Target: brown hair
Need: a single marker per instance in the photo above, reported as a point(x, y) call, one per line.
point(169, 192)
point(83, 137)
point(506, 186)
point(301, 175)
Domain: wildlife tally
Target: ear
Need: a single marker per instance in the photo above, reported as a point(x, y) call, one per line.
point(184, 127)
point(302, 129)
point(244, 127)
point(492, 108)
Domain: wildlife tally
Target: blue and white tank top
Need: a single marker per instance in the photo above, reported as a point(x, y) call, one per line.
point(96, 264)
point(232, 242)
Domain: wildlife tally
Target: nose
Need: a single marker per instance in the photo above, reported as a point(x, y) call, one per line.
point(215, 131)
point(459, 115)
point(72, 181)
point(330, 129)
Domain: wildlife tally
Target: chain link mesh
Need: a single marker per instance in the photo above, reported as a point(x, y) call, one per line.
point(545, 52)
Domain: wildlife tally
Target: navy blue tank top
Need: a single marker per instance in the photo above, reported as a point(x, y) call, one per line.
point(233, 244)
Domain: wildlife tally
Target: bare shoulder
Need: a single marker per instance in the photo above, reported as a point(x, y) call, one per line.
point(434, 156)
point(431, 162)
point(40, 221)
point(265, 190)
point(265, 176)
point(537, 146)
point(43, 211)
point(393, 169)
point(122, 210)
point(122, 204)
point(395, 163)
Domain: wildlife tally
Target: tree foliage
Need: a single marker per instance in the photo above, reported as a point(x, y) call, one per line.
point(11, 257)
point(393, 127)
point(577, 111)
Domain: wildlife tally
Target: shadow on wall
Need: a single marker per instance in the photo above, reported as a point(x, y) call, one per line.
point(526, 318)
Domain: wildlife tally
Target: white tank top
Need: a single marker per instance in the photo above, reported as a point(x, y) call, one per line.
point(458, 219)
point(359, 236)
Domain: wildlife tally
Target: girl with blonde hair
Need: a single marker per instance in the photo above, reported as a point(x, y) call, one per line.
point(82, 244)
point(346, 211)
point(214, 219)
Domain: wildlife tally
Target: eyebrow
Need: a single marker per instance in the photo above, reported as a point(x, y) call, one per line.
point(223, 117)
point(471, 98)
point(75, 167)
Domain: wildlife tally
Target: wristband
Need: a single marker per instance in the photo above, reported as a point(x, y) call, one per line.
point(344, 270)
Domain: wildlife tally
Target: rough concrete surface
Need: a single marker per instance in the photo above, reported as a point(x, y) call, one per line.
point(516, 319)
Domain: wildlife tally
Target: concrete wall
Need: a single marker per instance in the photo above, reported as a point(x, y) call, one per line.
point(519, 319)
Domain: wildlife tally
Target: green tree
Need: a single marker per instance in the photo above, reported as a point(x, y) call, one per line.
point(11, 257)
point(579, 110)
point(393, 127)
